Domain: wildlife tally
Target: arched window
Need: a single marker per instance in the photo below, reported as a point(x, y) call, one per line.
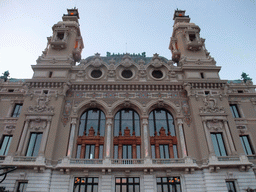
point(163, 138)
point(127, 135)
point(91, 132)
point(92, 118)
point(159, 118)
point(127, 118)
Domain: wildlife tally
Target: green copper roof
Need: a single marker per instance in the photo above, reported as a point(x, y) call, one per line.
point(118, 58)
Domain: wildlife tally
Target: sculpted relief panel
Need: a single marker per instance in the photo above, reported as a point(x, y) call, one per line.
point(42, 106)
point(210, 106)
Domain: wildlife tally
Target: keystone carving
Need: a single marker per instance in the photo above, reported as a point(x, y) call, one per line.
point(126, 61)
point(156, 61)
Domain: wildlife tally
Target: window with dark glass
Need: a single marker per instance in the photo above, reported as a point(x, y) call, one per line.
point(127, 138)
point(231, 186)
point(89, 152)
point(6, 141)
point(234, 110)
point(127, 73)
point(17, 110)
point(34, 144)
point(218, 144)
point(158, 74)
point(96, 73)
point(127, 184)
point(246, 145)
point(127, 118)
point(163, 138)
point(168, 184)
point(22, 186)
point(94, 118)
point(90, 141)
point(86, 184)
point(159, 118)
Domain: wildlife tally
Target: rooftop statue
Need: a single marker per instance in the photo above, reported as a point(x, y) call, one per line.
point(5, 76)
point(245, 77)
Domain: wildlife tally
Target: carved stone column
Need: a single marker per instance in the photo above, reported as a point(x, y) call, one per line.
point(82, 155)
point(108, 137)
point(23, 137)
point(44, 139)
point(146, 137)
point(157, 151)
point(120, 151)
point(11, 108)
point(182, 138)
point(97, 151)
point(134, 155)
point(71, 137)
point(230, 141)
point(208, 139)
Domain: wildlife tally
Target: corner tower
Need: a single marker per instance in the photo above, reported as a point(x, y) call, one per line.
point(63, 48)
point(188, 49)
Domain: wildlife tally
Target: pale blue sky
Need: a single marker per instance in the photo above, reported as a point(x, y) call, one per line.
point(229, 28)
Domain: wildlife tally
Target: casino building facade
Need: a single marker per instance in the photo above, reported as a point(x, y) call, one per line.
point(128, 122)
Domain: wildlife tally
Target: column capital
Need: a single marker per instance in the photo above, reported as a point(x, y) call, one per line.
point(144, 121)
point(180, 121)
point(73, 121)
point(109, 121)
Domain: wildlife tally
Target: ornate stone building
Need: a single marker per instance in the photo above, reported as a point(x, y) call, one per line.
point(128, 122)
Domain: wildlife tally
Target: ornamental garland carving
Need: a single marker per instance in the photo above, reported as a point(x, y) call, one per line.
point(38, 124)
point(214, 124)
point(42, 106)
point(66, 112)
point(210, 106)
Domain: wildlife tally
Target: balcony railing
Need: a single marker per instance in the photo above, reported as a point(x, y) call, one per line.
point(167, 161)
point(251, 157)
point(228, 158)
point(25, 159)
point(86, 161)
point(127, 161)
point(2, 158)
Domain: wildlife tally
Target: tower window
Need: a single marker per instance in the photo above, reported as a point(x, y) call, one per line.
point(45, 92)
point(231, 186)
point(34, 144)
point(202, 75)
point(60, 35)
point(246, 145)
point(168, 184)
point(218, 144)
point(125, 184)
point(6, 141)
point(234, 110)
point(86, 184)
point(50, 74)
point(192, 37)
point(17, 110)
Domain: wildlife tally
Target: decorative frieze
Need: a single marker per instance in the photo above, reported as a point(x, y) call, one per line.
point(122, 87)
